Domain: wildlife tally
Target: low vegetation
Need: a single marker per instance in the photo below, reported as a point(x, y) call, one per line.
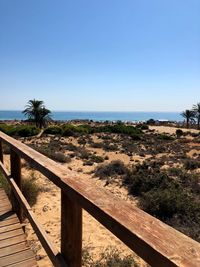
point(19, 130)
point(30, 188)
point(166, 183)
point(110, 257)
point(4, 184)
point(52, 154)
point(72, 130)
point(171, 195)
point(111, 170)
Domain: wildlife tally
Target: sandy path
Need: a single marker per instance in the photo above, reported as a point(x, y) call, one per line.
point(171, 130)
point(95, 236)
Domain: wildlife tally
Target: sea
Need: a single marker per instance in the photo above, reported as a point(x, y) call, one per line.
point(99, 115)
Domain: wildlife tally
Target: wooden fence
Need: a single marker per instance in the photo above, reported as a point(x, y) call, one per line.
point(155, 242)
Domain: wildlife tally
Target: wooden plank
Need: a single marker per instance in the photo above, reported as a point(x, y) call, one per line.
point(13, 245)
point(71, 231)
point(3, 195)
point(9, 221)
point(2, 190)
point(11, 227)
point(13, 249)
point(26, 263)
point(16, 258)
point(3, 198)
point(6, 207)
point(4, 201)
point(12, 241)
point(9, 215)
point(15, 166)
point(10, 234)
point(157, 243)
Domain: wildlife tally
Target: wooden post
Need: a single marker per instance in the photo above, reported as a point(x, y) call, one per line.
point(1, 152)
point(71, 231)
point(15, 166)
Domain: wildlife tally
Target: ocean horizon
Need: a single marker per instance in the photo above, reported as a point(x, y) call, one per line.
point(99, 115)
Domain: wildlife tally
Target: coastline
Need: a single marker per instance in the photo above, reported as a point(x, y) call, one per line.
point(99, 116)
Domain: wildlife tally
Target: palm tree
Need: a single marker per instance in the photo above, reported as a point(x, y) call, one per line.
point(188, 115)
point(44, 117)
point(196, 110)
point(36, 112)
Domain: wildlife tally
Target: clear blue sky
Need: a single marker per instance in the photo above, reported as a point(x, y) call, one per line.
point(120, 55)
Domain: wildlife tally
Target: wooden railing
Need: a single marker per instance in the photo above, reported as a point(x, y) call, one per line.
point(155, 242)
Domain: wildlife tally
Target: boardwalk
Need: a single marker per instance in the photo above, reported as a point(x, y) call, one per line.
point(14, 251)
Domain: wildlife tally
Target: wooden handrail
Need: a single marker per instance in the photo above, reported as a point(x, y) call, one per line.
point(54, 255)
point(154, 241)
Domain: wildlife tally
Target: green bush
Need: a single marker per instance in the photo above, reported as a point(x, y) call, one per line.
point(179, 133)
point(57, 156)
point(116, 167)
point(97, 145)
point(190, 182)
point(30, 190)
point(54, 130)
point(97, 159)
point(142, 179)
point(171, 195)
point(4, 184)
point(165, 203)
point(71, 130)
point(26, 131)
point(135, 136)
point(68, 130)
point(111, 257)
point(120, 129)
point(142, 126)
point(8, 129)
point(165, 137)
point(191, 164)
point(19, 130)
point(70, 147)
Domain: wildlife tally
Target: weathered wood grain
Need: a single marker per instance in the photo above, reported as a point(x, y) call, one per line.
point(26, 263)
point(13, 249)
point(13, 245)
point(11, 227)
point(16, 258)
point(71, 231)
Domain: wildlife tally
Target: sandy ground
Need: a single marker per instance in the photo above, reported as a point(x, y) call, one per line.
point(47, 208)
point(170, 130)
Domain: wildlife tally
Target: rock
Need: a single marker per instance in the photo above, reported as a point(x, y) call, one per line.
point(38, 257)
point(45, 208)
